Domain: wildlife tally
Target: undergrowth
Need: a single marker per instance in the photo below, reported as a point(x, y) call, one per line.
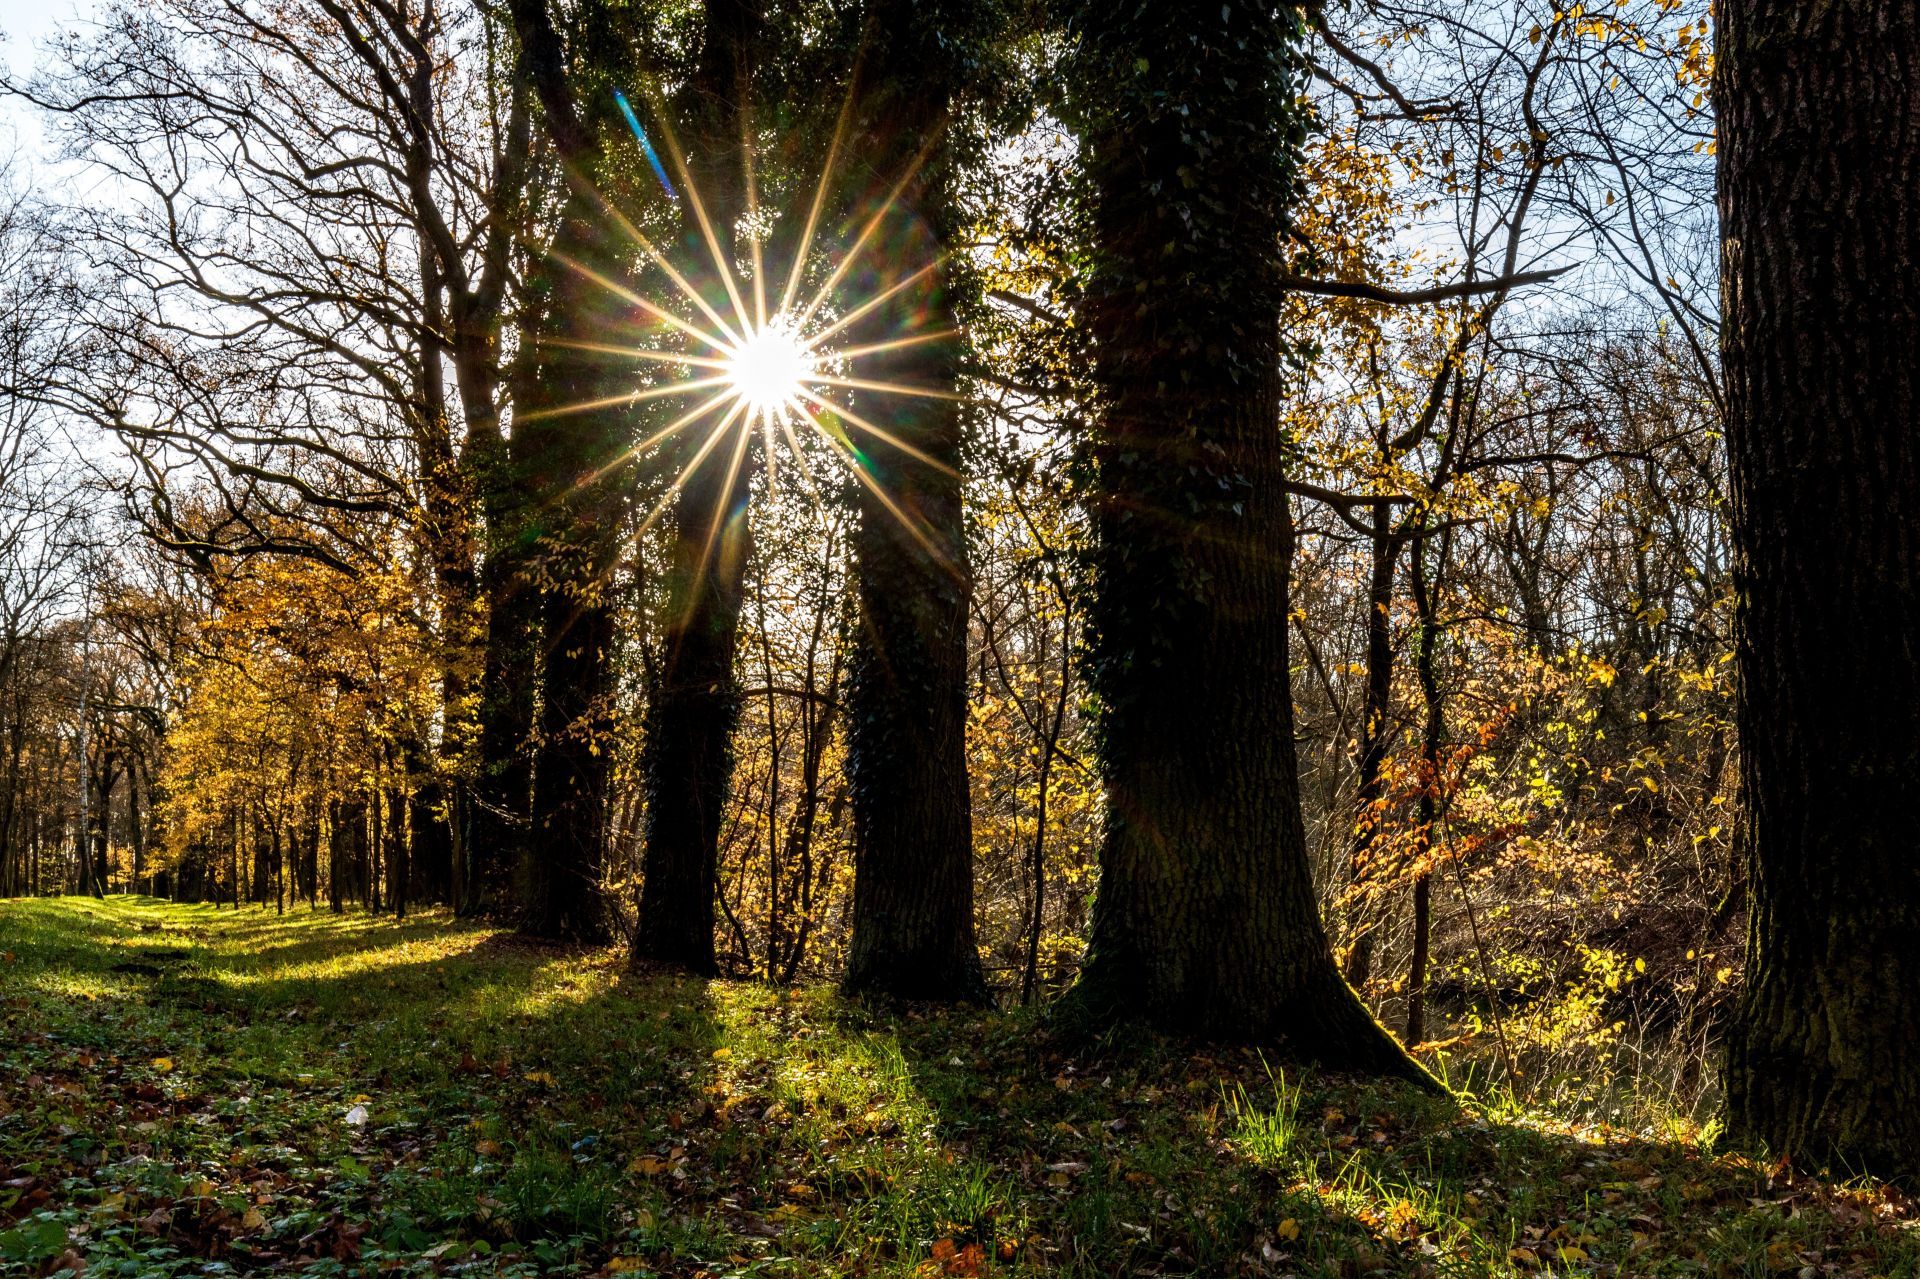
point(190, 1090)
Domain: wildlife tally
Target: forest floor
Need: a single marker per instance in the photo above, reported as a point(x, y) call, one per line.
point(185, 1090)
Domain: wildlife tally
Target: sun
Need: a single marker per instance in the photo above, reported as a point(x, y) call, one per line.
point(769, 367)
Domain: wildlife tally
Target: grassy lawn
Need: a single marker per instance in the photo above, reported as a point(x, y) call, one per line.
point(186, 1090)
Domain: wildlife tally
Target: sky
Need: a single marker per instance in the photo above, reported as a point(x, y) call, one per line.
point(23, 23)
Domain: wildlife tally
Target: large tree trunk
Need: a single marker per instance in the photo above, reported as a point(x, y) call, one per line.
point(913, 933)
point(689, 755)
point(572, 459)
point(1206, 921)
point(1819, 108)
point(573, 477)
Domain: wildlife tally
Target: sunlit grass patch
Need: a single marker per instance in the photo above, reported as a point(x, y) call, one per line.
point(351, 1095)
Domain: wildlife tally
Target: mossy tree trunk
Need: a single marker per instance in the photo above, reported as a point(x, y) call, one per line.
point(913, 930)
point(1206, 921)
point(1819, 110)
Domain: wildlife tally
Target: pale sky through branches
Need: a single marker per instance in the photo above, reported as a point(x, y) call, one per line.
point(23, 24)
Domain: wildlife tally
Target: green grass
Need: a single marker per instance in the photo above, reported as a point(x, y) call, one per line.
point(179, 1087)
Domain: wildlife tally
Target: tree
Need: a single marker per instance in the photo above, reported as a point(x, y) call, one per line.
point(1819, 150)
point(913, 933)
point(571, 443)
point(300, 297)
point(1206, 922)
point(696, 706)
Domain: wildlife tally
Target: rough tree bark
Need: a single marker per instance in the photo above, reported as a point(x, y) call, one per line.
point(575, 483)
point(689, 751)
point(1819, 109)
point(1206, 921)
point(913, 932)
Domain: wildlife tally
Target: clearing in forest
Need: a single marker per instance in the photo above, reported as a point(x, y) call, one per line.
point(190, 1090)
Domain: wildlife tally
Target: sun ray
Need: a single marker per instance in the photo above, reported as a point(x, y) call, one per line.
point(880, 433)
point(800, 454)
point(647, 353)
point(625, 397)
point(799, 269)
point(873, 224)
point(753, 217)
point(894, 344)
point(722, 261)
point(891, 388)
point(626, 294)
point(873, 486)
point(678, 424)
point(879, 299)
point(693, 464)
point(721, 518)
point(659, 259)
point(772, 453)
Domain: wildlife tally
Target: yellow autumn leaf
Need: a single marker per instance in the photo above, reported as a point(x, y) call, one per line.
point(162, 1064)
point(1288, 1230)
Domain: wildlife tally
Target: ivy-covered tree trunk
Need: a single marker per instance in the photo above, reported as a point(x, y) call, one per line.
point(1819, 110)
point(1206, 921)
point(575, 481)
point(695, 708)
point(913, 934)
point(572, 463)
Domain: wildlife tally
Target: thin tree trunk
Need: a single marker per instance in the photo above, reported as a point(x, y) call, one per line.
point(1373, 738)
point(1819, 110)
point(1427, 809)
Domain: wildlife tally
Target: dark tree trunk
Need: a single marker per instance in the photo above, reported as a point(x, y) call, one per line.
point(1206, 921)
point(1372, 756)
point(913, 934)
point(503, 783)
point(433, 837)
point(1819, 109)
point(572, 443)
point(573, 468)
point(1427, 810)
point(689, 753)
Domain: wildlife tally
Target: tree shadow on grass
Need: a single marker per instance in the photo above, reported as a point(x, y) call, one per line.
point(1136, 1155)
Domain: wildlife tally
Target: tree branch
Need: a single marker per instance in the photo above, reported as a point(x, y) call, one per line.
point(1415, 297)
